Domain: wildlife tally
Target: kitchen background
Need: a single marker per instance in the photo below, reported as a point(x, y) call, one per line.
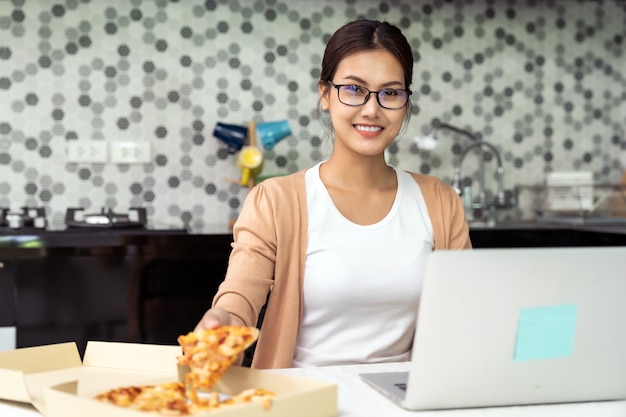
point(543, 81)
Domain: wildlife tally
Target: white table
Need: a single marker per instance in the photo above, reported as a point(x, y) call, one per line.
point(12, 409)
point(357, 399)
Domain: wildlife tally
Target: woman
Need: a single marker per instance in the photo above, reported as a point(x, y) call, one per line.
point(340, 248)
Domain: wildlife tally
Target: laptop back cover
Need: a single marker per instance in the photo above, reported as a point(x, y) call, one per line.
point(520, 326)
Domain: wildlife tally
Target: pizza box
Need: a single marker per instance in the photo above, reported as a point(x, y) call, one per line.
point(58, 384)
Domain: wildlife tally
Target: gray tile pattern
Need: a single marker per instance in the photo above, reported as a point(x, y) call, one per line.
point(542, 80)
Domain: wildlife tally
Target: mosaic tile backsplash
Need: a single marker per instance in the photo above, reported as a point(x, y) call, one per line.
point(543, 81)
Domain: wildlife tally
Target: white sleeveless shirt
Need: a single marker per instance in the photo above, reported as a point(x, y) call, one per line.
point(362, 283)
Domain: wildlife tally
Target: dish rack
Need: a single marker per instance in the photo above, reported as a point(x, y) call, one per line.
point(570, 191)
point(574, 198)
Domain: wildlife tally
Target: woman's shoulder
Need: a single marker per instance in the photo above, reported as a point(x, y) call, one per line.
point(281, 187)
point(280, 182)
point(430, 181)
point(278, 200)
point(432, 186)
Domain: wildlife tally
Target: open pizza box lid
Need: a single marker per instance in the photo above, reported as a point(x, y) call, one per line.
point(55, 380)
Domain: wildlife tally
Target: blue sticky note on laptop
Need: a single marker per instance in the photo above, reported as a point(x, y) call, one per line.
point(545, 332)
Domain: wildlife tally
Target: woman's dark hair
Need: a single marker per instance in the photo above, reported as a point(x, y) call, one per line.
point(366, 35)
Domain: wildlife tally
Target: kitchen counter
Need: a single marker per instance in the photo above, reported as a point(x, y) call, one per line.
point(80, 238)
point(123, 236)
point(615, 226)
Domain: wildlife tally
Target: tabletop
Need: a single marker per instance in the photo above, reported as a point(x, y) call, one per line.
point(357, 399)
point(14, 409)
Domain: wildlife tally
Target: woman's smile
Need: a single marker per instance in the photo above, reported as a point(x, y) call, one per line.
point(368, 130)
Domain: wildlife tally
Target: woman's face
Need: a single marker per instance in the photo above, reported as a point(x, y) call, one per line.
point(368, 129)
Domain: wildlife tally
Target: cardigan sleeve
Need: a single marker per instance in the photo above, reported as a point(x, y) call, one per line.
point(250, 273)
point(268, 256)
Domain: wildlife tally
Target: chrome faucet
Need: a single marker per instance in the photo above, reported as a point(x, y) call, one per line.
point(456, 178)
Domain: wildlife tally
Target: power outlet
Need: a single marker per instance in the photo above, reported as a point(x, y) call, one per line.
point(131, 152)
point(92, 151)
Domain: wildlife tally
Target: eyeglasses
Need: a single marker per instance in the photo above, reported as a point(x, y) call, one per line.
point(356, 95)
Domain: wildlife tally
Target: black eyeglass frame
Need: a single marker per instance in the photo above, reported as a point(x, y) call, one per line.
point(370, 92)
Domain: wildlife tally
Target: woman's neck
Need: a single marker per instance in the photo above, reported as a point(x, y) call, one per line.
point(358, 172)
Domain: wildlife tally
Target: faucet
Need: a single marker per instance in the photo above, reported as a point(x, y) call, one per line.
point(476, 143)
point(452, 128)
point(456, 178)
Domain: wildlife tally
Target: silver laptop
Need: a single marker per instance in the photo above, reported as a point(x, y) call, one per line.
point(516, 326)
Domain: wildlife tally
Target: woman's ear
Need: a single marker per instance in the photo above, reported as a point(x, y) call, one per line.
point(323, 89)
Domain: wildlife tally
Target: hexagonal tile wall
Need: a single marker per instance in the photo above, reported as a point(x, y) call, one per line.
point(541, 80)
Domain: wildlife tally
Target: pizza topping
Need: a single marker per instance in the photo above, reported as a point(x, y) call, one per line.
point(209, 353)
point(166, 398)
point(169, 399)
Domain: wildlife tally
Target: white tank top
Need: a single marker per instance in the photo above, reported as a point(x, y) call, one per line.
point(362, 283)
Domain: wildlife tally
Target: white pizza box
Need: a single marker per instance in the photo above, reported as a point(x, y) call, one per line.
point(55, 380)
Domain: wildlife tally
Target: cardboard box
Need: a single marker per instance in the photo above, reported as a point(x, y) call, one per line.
point(55, 380)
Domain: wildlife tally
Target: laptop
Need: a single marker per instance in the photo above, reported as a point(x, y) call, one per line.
point(500, 327)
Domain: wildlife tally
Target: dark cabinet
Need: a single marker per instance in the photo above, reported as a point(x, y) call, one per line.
point(141, 288)
point(7, 293)
point(520, 235)
point(72, 298)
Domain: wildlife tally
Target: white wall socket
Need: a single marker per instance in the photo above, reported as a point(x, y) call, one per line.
point(93, 151)
point(131, 152)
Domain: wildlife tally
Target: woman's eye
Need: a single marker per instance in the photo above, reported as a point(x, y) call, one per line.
point(390, 92)
point(354, 89)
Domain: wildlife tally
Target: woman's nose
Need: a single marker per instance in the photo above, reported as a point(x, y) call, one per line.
point(371, 107)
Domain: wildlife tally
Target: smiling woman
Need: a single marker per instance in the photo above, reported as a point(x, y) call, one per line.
point(338, 250)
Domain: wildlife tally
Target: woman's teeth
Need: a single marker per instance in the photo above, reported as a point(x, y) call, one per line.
point(368, 128)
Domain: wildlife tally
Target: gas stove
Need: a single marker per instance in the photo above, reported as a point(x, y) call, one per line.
point(27, 218)
point(136, 218)
point(31, 222)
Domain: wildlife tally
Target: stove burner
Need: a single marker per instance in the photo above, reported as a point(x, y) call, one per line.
point(106, 219)
point(29, 217)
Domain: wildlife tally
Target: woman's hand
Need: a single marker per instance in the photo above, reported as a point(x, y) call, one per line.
point(214, 317)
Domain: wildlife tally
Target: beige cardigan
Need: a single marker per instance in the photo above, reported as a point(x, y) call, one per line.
point(270, 240)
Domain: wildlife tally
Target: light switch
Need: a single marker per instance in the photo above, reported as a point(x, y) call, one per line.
point(131, 152)
point(92, 151)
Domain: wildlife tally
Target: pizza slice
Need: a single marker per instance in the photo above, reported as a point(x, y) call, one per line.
point(209, 353)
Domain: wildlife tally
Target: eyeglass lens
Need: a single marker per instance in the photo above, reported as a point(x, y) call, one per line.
point(355, 95)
